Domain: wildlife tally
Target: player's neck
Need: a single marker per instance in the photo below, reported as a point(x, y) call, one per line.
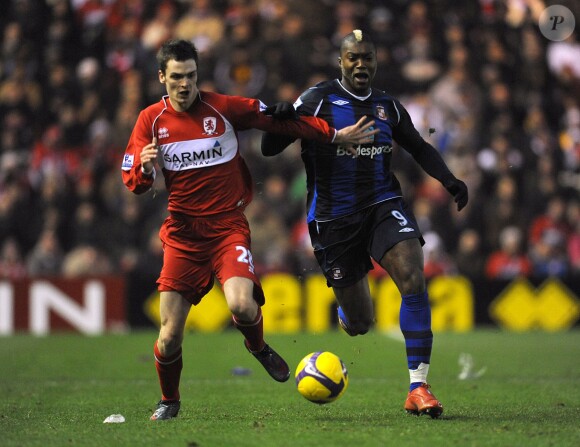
point(358, 95)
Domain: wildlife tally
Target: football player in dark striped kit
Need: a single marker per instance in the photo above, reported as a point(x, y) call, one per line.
point(356, 211)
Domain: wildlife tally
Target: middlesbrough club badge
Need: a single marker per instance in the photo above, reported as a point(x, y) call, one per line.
point(210, 125)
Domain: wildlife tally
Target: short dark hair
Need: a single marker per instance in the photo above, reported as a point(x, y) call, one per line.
point(176, 49)
point(356, 36)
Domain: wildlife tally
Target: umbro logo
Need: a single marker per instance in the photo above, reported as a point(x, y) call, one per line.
point(406, 230)
point(340, 102)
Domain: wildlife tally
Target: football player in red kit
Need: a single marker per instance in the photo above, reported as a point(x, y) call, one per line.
point(192, 136)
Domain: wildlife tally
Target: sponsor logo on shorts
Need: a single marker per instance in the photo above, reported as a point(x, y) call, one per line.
point(406, 230)
point(340, 102)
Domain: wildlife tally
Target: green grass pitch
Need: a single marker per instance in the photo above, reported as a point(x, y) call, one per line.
point(57, 391)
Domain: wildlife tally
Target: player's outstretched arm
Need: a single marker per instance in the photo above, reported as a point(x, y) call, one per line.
point(360, 133)
point(428, 157)
point(282, 110)
point(273, 144)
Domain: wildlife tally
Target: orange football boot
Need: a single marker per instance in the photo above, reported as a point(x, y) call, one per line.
point(422, 401)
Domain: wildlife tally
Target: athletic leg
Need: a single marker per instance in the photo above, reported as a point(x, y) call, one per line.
point(246, 313)
point(404, 262)
point(247, 318)
point(173, 310)
point(356, 307)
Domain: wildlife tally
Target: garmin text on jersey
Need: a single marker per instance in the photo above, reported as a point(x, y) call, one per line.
point(184, 155)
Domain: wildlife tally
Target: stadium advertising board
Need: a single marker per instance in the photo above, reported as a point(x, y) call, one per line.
point(458, 304)
point(97, 305)
point(90, 306)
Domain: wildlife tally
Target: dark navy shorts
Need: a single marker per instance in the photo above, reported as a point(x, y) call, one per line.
point(344, 246)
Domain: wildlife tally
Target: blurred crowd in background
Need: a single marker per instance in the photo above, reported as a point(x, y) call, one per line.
point(499, 100)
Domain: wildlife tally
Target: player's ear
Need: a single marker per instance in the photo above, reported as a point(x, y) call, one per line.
point(161, 76)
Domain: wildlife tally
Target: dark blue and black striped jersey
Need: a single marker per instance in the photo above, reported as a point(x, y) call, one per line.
point(339, 184)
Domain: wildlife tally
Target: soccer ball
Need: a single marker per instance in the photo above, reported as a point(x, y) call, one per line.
point(321, 377)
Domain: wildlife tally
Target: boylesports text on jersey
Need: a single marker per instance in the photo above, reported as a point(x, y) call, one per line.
point(365, 151)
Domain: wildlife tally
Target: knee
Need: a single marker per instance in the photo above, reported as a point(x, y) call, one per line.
point(364, 326)
point(169, 342)
point(239, 293)
point(244, 309)
point(359, 326)
point(404, 262)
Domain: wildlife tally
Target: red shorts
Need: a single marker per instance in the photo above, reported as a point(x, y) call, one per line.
point(196, 249)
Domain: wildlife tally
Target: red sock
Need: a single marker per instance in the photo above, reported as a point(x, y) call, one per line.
point(169, 372)
point(253, 331)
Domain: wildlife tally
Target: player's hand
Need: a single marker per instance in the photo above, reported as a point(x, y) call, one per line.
point(458, 190)
point(282, 110)
point(362, 132)
point(148, 157)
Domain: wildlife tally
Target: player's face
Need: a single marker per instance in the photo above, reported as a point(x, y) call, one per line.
point(180, 79)
point(358, 64)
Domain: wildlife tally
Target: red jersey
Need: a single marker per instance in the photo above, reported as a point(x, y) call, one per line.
point(199, 150)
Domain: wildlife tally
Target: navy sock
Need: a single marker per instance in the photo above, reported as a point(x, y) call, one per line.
point(415, 323)
point(414, 385)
